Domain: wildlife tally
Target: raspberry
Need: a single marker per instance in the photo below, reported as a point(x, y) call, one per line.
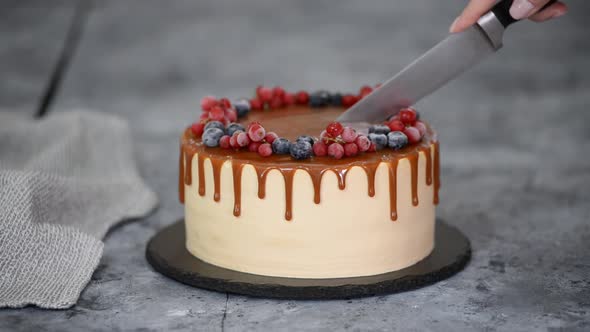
point(208, 102)
point(349, 135)
point(278, 91)
point(231, 115)
point(413, 134)
point(289, 99)
point(198, 128)
point(408, 116)
point(302, 98)
point(253, 146)
point(224, 142)
point(265, 94)
point(320, 149)
point(396, 125)
point(334, 129)
point(255, 104)
point(256, 132)
point(336, 151)
point(265, 150)
point(276, 102)
point(217, 113)
point(349, 100)
point(365, 90)
point(242, 139)
point(363, 143)
point(225, 103)
point(270, 137)
point(421, 127)
point(351, 149)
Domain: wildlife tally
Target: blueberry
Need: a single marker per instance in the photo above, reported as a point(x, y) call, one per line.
point(211, 137)
point(242, 106)
point(397, 140)
point(319, 99)
point(380, 140)
point(215, 124)
point(379, 129)
point(306, 138)
point(233, 127)
point(300, 150)
point(281, 146)
point(336, 99)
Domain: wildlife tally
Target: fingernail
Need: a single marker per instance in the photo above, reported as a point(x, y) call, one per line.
point(454, 25)
point(558, 13)
point(521, 9)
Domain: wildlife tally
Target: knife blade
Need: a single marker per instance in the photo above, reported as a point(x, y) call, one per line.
point(445, 61)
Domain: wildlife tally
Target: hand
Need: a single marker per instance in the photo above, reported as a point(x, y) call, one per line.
point(520, 9)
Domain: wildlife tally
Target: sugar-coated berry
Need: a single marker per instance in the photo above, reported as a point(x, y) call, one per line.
point(212, 136)
point(363, 143)
point(413, 134)
point(224, 142)
point(276, 102)
point(208, 102)
point(253, 146)
point(233, 141)
point(264, 94)
point(336, 99)
point(231, 115)
point(300, 150)
point(349, 100)
point(265, 150)
point(302, 98)
point(281, 146)
point(372, 148)
point(396, 125)
point(215, 124)
point(397, 140)
point(233, 127)
point(365, 90)
point(225, 103)
point(242, 107)
point(306, 138)
point(421, 127)
point(349, 135)
point(379, 129)
point(242, 139)
point(216, 113)
point(270, 137)
point(255, 104)
point(204, 117)
point(326, 138)
point(319, 99)
point(198, 128)
point(278, 91)
point(320, 149)
point(336, 151)
point(334, 129)
point(256, 132)
point(289, 99)
point(380, 140)
point(408, 116)
point(351, 149)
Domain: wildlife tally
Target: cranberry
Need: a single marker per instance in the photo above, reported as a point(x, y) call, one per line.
point(242, 139)
point(349, 135)
point(334, 129)
point(363, 143)
point(407, 116)
point(396, 125)
point(302, 97)
point(253, 146)
point(413, 134)
point(256, 132)
point(336, 151)
point(350, 149)
point(320, 149)
point(233, 141)
point(265, 149)
point(270, 137)
point(197, 128)
point(224, 142)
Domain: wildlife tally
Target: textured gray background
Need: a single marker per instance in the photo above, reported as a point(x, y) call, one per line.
point(515, 136)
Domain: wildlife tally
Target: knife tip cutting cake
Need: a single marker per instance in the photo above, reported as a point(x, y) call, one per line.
point(274, 186)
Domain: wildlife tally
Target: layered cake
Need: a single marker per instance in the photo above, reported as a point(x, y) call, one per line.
point(273, 186)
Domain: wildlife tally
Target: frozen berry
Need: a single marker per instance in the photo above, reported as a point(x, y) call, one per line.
point(350, 149)
point(413, 134)
point(214, 124)
point(265, 149)
point(198, 128)
point(380, 140)
point(233, 141)
point(233, 127)
point(396, 125)
point(300, 150)
point(289, 99)
point(349, 135)
point(217, 113)
point(320, 149)
point(242, 139)
point(336, 99)
point(407, 116)
point(256, 132)
point(208, 102)
point(278, 91)
point(365, 90)
point(326, 138)
point(363, 143)
point(334, 129)
point(255, 104)
point(302, 97)
point(253, 146)
point(379, 129)
point(372, 148)
point(224, 142)
point(349, 100)
point(211, 137)
point(336, 151)
point(421, 127)
point(231, 115)
point(397, 140)
point(204, 117)
point(276, 102)
point(319, 99)
point(281, 146)
point(225, 103)
point(270, 137)
point(305, 138)
point(242, 107)
point(265, 94)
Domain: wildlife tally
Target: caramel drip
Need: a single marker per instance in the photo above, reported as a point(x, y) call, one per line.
point(413, 159)
point(288, 175)
point(371, 170)
point(181, 176)
point(217, 163)
point(201, 165)
point(428, 154)
point(392, 166)
point(436, 171)
point(261, 173)
point(237, 176)
point(341, 174)
point(316, 179)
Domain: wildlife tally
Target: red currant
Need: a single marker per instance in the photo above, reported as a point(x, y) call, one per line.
point(224, 142)
point(233, 141)
point(270, 137)
point(217, 113)
point(265, 149)
point(197, 128)
point(289, 99)
point(349, 100)
point(256, 132)
point(365, 90)
point(302, 98)
point(421, 127)
point(363, 143)
point(334, 129)
point(349, 135)
point(413, 134)
point(231, 115)
point(320, 149)
point(265, 94)
point(396, 125)
point(336, 151)
point(350, 149)
point(407, 116)
point(225, 103)
point(207, 102)
point(255, 104)
point(242, 139)
point(253, 146)
point(276, 102)
point(278, 91)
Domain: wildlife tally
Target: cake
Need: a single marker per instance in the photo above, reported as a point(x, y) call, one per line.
point(273, 186)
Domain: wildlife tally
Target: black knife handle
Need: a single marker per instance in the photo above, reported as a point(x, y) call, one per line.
point(502, 11)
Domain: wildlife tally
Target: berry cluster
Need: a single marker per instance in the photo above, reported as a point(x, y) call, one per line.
point(337, 141)
point(400, 130)
point(221, 111)
point(235, 136)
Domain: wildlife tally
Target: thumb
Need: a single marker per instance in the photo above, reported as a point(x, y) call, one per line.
point(524, 8)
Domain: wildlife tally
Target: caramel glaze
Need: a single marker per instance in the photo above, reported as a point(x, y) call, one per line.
point(316, 167)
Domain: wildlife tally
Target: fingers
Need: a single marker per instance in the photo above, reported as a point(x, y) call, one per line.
point(555, 10)
point(474, 10)
point(524, 8)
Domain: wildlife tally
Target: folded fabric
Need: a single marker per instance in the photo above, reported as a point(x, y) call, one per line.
point(64, 181)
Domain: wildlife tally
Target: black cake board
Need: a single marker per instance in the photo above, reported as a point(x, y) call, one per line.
point(167, 253)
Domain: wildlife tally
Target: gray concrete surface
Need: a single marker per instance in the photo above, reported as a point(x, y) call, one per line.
point(515, 136)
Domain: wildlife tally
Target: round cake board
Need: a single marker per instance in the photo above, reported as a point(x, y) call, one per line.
point(167, 253)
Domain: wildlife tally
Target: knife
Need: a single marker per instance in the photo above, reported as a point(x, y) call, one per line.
point(445, 61)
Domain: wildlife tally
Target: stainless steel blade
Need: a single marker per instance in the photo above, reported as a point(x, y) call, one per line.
point(445, 61)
